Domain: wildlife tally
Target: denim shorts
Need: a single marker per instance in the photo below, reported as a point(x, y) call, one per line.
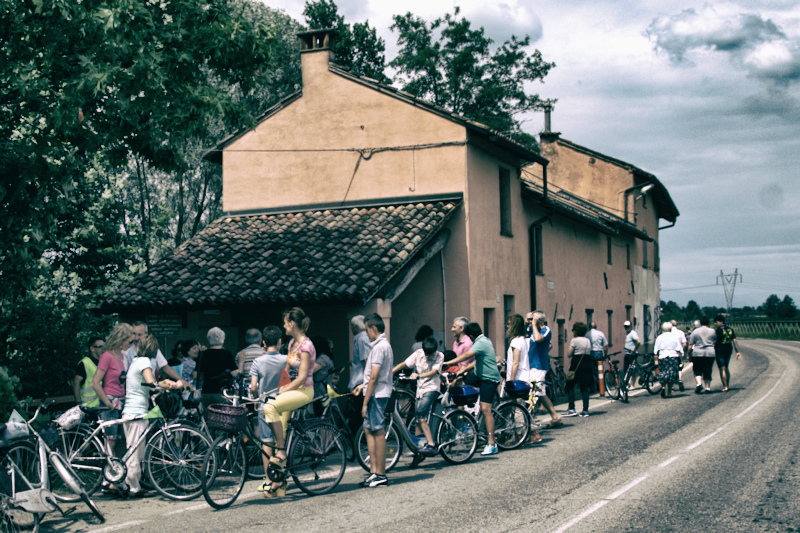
point(422, 408)
point(264, 429)
point(376, 416)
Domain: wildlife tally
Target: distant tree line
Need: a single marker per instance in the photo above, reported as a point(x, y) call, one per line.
point(772, 308)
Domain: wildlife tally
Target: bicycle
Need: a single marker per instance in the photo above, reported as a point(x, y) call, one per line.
point(454, 430)
point(25, 464)
point(646, 376)
point(556, 380)
point(333, 414)
point(172, 459)
point(315, 458)
point(611, 376)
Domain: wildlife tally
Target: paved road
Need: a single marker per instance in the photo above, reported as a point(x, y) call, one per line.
point(716, 462)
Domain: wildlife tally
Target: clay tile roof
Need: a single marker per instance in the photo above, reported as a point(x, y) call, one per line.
point(335, 255)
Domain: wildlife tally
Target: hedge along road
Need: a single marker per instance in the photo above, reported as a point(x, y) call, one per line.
point(715, 462)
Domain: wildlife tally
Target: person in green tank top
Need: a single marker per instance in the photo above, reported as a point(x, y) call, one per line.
point(84, 373)
point(485, 377)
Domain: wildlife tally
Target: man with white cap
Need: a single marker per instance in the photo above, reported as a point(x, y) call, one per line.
point(632, 343)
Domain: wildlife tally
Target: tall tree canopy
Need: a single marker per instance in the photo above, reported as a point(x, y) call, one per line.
point(357, 47)
point(453, 65)
point(106, 109)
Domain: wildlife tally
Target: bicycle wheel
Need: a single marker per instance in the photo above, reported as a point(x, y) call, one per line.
point(611, 382)
point(511, 425)
point(317, 458)
point(87, 465)
point(550, 385)
point(337, 419)
point(71, 480)
point(224, 471)
point(394, 448)
point(457, 437)
point(26, 476)
point(651, 383)
point(174, 462)
point(7, 514)
point(561, 382)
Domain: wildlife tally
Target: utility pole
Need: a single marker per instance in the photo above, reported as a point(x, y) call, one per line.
point(729, 285)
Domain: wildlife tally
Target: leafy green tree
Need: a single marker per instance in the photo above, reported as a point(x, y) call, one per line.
point(787, 309)
point(672, 311)
point(692, 311)
point(453, 65)
point(356, 47)
point(770, 306)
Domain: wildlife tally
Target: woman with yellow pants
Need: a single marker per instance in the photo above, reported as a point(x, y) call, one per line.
point(296, 394)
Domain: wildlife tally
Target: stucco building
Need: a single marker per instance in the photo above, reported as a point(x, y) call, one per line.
point(351, 197)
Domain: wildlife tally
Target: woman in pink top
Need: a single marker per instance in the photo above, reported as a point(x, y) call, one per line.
point(106, 382)
point(297, 393)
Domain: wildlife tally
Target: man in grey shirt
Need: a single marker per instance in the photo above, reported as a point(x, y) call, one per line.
point(377, 387)
point(265, 375)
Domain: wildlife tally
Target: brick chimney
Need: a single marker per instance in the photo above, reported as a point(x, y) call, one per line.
point(316, 52)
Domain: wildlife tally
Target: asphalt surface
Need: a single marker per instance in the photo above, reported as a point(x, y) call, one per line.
point(710, 462)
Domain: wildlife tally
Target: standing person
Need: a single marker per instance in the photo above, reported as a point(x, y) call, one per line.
point(361, 349)
point(599, 342)
point(517, 360)
point(293, 395)
point(669, 350)
point(265, 376)
point(157, 363)
point(632, 343)
point(377, 389)
point(682, 337)
point(106, 380)
point(137, 404)
point(539, 354)
point(723, 349)
point(322, 371)
point(84, 374)
point(701, 343)
point(462, 342)
point(581, 368)
point(214, 365)
point(190, 352)
point(427, 364)
point(253, 350)
point(486, 377)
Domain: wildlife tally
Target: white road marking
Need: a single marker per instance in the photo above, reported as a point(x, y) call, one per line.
point(600, 504)
point(119, 526)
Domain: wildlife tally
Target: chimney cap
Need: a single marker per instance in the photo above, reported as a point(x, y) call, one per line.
point(319, 39)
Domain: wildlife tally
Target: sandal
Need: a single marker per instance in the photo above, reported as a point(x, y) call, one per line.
point(276, 491)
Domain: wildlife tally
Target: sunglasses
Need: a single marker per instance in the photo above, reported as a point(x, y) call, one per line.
point(99, 347)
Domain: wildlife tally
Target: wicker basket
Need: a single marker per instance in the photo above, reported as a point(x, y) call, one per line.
point(227, 417)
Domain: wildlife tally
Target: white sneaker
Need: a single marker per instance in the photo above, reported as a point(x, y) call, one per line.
point(491, 449)
point(571, 412)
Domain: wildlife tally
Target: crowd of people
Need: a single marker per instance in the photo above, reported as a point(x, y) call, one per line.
point(294, 368)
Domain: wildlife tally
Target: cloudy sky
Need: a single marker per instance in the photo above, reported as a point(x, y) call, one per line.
point(705, 95)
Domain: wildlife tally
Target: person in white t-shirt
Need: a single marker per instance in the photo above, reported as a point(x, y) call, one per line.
point(518, 366)
point(158, 362)
point(427, 364)
point(137, 404)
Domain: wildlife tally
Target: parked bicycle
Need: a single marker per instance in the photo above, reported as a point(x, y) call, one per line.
point(555, 380)
point(316, 457)
point(172, 460)
point(611, 377)
point(454, 430)
point(25, 478)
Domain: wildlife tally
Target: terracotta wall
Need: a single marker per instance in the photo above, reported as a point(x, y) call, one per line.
point(335, 113)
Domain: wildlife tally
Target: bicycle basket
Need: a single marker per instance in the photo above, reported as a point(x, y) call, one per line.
point(464, 394)
point(169, 403)
point(70, 418)
point(225, 417)
point(518, 389)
